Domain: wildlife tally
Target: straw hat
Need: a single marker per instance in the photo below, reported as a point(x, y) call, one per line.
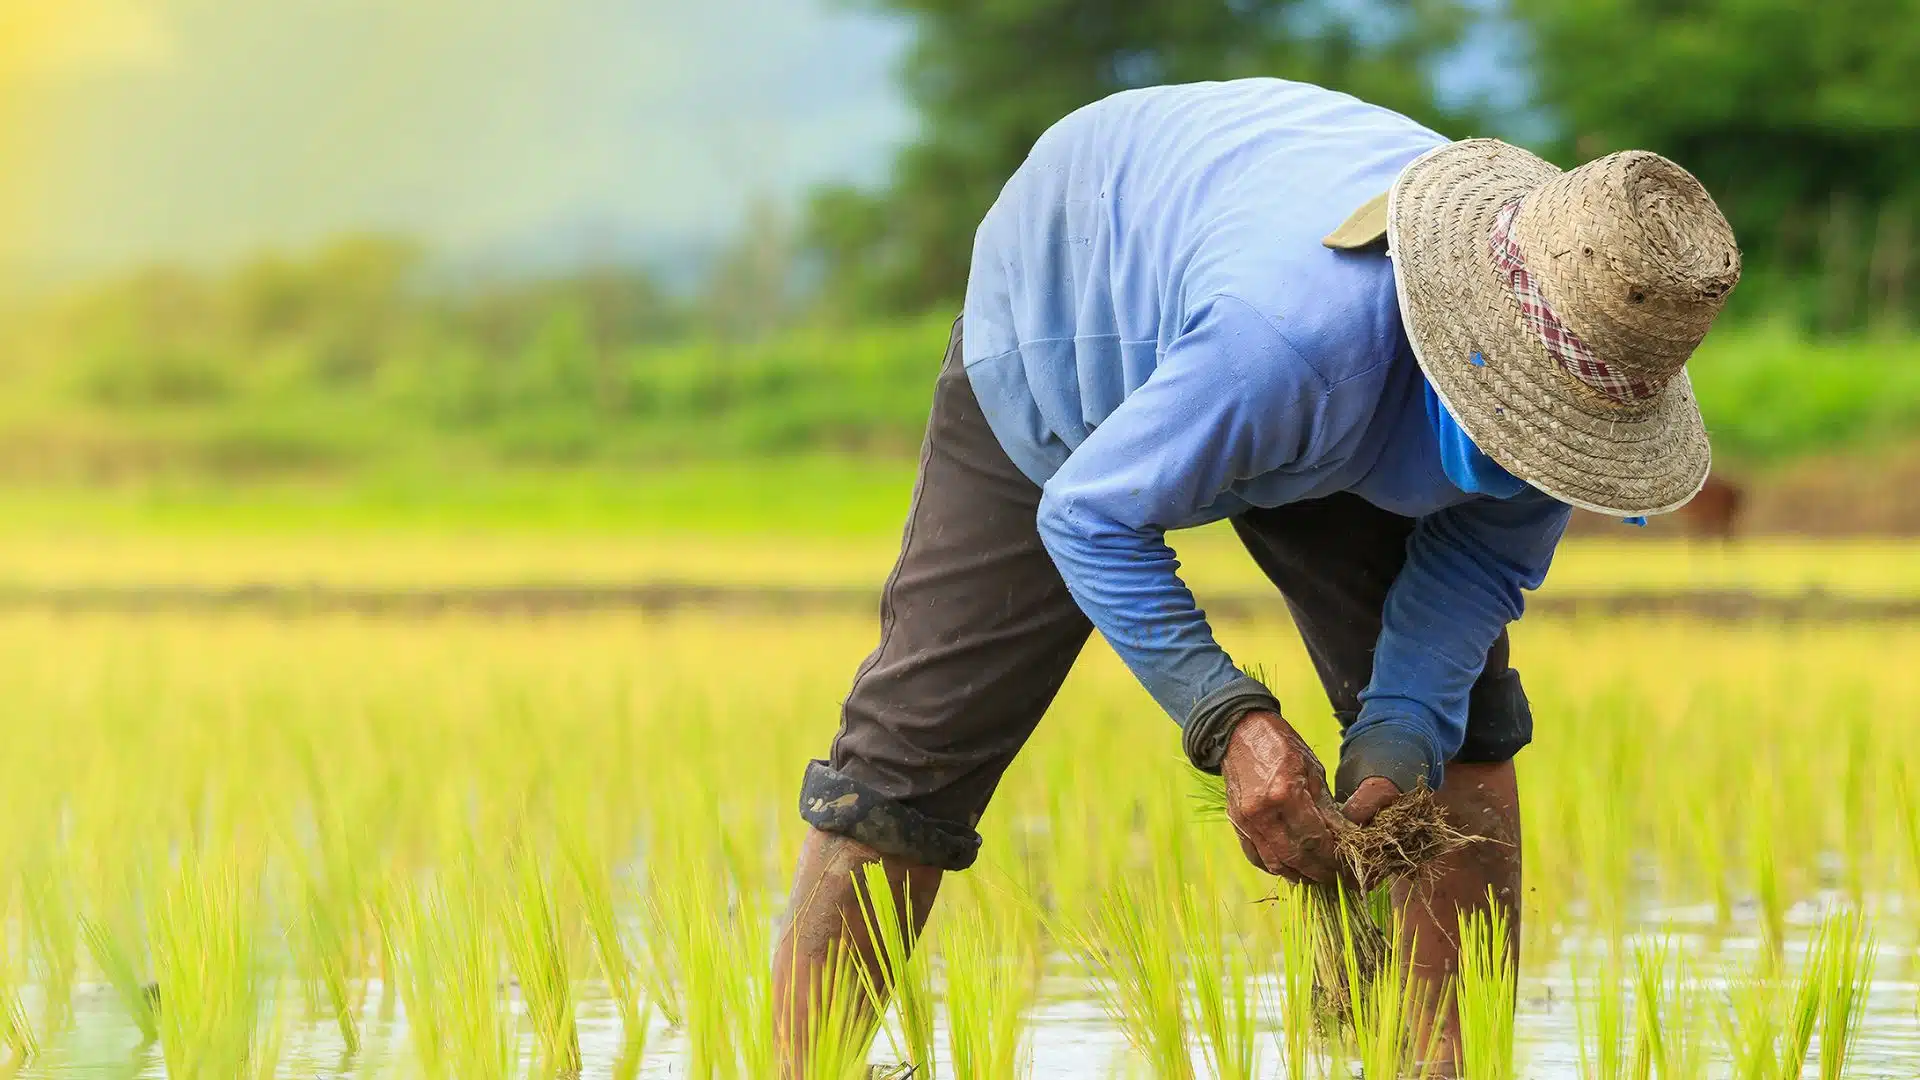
point(1554, 312)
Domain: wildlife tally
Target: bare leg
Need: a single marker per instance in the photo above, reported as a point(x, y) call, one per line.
point(1480, 800)
point(826, 913)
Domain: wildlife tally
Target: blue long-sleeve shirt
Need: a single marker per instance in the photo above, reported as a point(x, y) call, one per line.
point(1158, 337)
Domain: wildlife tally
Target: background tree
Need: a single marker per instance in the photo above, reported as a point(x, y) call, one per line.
point(987, 77)
point(1802, 118)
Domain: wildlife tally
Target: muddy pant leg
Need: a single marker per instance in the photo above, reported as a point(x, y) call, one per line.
point(977, 633)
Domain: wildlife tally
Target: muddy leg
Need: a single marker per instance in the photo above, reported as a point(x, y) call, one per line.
point(1480, 800)
point(824, 915)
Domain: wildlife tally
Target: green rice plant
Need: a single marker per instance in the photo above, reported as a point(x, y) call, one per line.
point(1387, 1008)
point(450, 971)
point(1601, 1018)
point(1769, 889)
point(1130, 947)
point(593, 887)
point(1909, 817)
point(327, 937)
point(209, 977)
point(1666, 1038)
point(1770, 1022)
point(53, 944)
point(1485, 993)
point(1226, 1003)
point(991, 966)
point(1858, 782)
point(1297, 1012)
point(323, 947)
point(538, 957)
point(1750, 1022)
point(905, 978)
point(656, 950)
point(114, 935)
point(1802, 1017)
point(1847, 951)
point(16, 1030)
point(1604, 841)
point(840, 1025)
point(719, 938)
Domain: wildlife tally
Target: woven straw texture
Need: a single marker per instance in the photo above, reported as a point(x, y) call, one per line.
point(1633, 257)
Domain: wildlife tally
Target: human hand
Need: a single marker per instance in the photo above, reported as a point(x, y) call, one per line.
point(1278, 801)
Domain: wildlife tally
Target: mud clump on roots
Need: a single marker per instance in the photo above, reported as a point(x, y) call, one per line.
point(1402, 841)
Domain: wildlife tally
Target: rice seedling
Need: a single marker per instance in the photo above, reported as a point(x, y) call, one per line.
point(1601, 1013)
point(204, 946)
point(1296, 1008)
point(450, 973)
point(905, 978)
point(1131, 947)
point(1386, 1008)
point(53, 935)
point(16, 1030)
point(991, 966)
point(840, 1024)
point(1666, 1039)
point(538, 957)
point(1484, 993)
point(359, 788)
point(1846, 958)
point(589, 871)
point(1399, 841)
point(1226, 1003)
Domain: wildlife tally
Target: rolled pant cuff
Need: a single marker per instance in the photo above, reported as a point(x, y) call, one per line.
point(834, 802)
point(1397, 755)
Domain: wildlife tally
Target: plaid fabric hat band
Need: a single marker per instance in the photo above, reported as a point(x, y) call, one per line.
point(1565, 346)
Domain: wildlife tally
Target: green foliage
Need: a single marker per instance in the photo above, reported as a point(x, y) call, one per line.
point(989, 78)
point(563, 388)
point(992, 967)
point(1799, 118)
point(905, 977)
point(1485, 992)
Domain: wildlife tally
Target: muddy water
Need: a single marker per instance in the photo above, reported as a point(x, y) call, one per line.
point(1070, 1036)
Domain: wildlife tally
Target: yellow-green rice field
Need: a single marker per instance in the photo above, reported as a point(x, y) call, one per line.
point(247, 845)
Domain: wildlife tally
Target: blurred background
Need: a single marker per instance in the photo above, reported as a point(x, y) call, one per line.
point(664, 268)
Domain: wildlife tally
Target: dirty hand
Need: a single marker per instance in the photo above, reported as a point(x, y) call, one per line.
point(1277, 800)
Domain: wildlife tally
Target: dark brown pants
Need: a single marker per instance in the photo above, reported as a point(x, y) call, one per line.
point(978, 631)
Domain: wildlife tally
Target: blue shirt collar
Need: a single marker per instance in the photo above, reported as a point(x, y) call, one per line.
point(1467, 468)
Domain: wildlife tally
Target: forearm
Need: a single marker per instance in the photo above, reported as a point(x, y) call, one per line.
point(1463, 582)
point(1127, 581)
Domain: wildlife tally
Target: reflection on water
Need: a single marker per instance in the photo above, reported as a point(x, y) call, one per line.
point(1071, 1037)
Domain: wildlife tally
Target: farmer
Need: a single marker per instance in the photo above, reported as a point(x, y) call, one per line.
point(1393, 362)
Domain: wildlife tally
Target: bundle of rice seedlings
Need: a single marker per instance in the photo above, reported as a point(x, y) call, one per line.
point(1398, 843)
point(1386, 1006)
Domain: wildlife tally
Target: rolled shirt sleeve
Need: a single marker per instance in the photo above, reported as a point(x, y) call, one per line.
point(1466, 569)
point(1229, 400)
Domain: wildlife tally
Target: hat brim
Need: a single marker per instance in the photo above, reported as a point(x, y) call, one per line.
point(1517, 403)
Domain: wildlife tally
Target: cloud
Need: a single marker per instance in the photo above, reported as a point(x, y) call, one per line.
point(476, 125)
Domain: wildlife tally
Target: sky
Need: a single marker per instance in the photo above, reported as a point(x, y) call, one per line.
point(135, 131)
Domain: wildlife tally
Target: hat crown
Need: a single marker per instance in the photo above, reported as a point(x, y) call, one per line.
point(1634, 256)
